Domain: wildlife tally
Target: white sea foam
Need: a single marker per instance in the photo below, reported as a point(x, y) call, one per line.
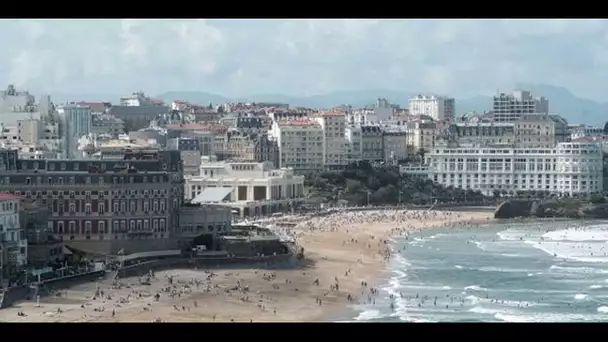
point(475, 288)
point(487, 301)
point(505, 270)
point(581, 296)
point(460, 267)
point(446, 288)
point(592, 252)
point(583, 270)
point(513, 318)
point(602, 309)
point(594, 287)
point(488, 311)
point(369, 315)
point(598, 233)
point(545, 317)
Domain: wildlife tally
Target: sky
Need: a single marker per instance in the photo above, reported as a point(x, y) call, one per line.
point(304, 57)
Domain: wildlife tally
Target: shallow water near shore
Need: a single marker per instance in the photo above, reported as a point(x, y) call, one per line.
point(542, 271)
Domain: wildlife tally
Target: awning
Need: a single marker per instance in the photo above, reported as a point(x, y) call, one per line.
point(212, 195)
point(66, 251)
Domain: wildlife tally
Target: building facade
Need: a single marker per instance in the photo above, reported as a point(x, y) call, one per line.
point(300, 144)
point(510, 107)
point(13, 240)
point(250, 189)
point(569, 169)
point(394, 143)
point(334, 144)
point(372, 143)
point(76, 122)
point(134, 198)
point(438, 107)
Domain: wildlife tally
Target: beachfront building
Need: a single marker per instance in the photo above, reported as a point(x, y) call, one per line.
point(300, 143)
point(529, 130)
point(334, 143)
point(569, 169)
point(102, 204)
point(249, 188)
point(201, 224)
point(437, 107)
point(13, 242)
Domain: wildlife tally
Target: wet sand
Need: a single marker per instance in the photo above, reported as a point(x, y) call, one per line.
point(348, 251)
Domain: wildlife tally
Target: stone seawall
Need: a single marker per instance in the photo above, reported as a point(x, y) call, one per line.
point(274, 261)
point(20, 293)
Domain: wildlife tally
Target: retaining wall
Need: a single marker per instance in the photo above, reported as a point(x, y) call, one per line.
point(273, 261)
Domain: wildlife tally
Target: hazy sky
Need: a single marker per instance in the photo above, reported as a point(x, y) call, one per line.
point(301, 57)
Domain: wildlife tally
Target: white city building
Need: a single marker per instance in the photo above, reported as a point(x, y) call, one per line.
point(249, 188)
point(568, 169)
point(437, 107)
point(334, 142)
point(300, 144)
point(13, 243)
point(510, 107)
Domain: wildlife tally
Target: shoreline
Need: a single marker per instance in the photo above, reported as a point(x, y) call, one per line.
point(348, 250)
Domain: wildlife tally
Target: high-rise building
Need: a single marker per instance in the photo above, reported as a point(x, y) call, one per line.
point(76, 122)
point(510, 107)
point(437, 107)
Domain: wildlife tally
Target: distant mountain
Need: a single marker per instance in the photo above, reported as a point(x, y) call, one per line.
point(561, 101)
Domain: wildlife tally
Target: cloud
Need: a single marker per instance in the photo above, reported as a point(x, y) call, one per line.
point(240, 57)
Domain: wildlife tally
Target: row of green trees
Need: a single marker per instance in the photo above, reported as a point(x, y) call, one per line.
point(360, 183)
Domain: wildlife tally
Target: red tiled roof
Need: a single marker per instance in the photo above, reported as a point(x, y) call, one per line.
point(4, 196)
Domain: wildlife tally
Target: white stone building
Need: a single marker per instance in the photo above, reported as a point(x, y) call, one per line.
point(438, 107)
point(510, 107)
point(334, 142)
point(568, 169)
point(394, 143)
point(13, 241)
point(300, 143)
point(249, 188)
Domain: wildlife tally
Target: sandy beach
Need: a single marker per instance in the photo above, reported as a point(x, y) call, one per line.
point(346, 254)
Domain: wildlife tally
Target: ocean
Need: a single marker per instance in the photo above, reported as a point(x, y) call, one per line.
point(542, 271)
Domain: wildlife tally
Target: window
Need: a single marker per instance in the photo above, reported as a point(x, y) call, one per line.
point(123, 206)
point(146, 225)
point(146, 206)
point(133, 206)
point(132, 225)
point(60, 227)
point(72, 226)
point(116, 225)
point(162, 225)
point(72, 208)
point(123, 225)
point(102, 208)
point(87, 208)
point(87, 227)
point(102, 227)
point(139, 225)
point(116, 208)
point(155, 224)
point(155, 206)
point(162, 205)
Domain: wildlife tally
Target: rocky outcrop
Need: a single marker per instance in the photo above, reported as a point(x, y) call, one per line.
point(570, 208)
point(514, 208)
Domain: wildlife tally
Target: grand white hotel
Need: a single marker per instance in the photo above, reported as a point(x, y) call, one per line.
point(568, 169)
